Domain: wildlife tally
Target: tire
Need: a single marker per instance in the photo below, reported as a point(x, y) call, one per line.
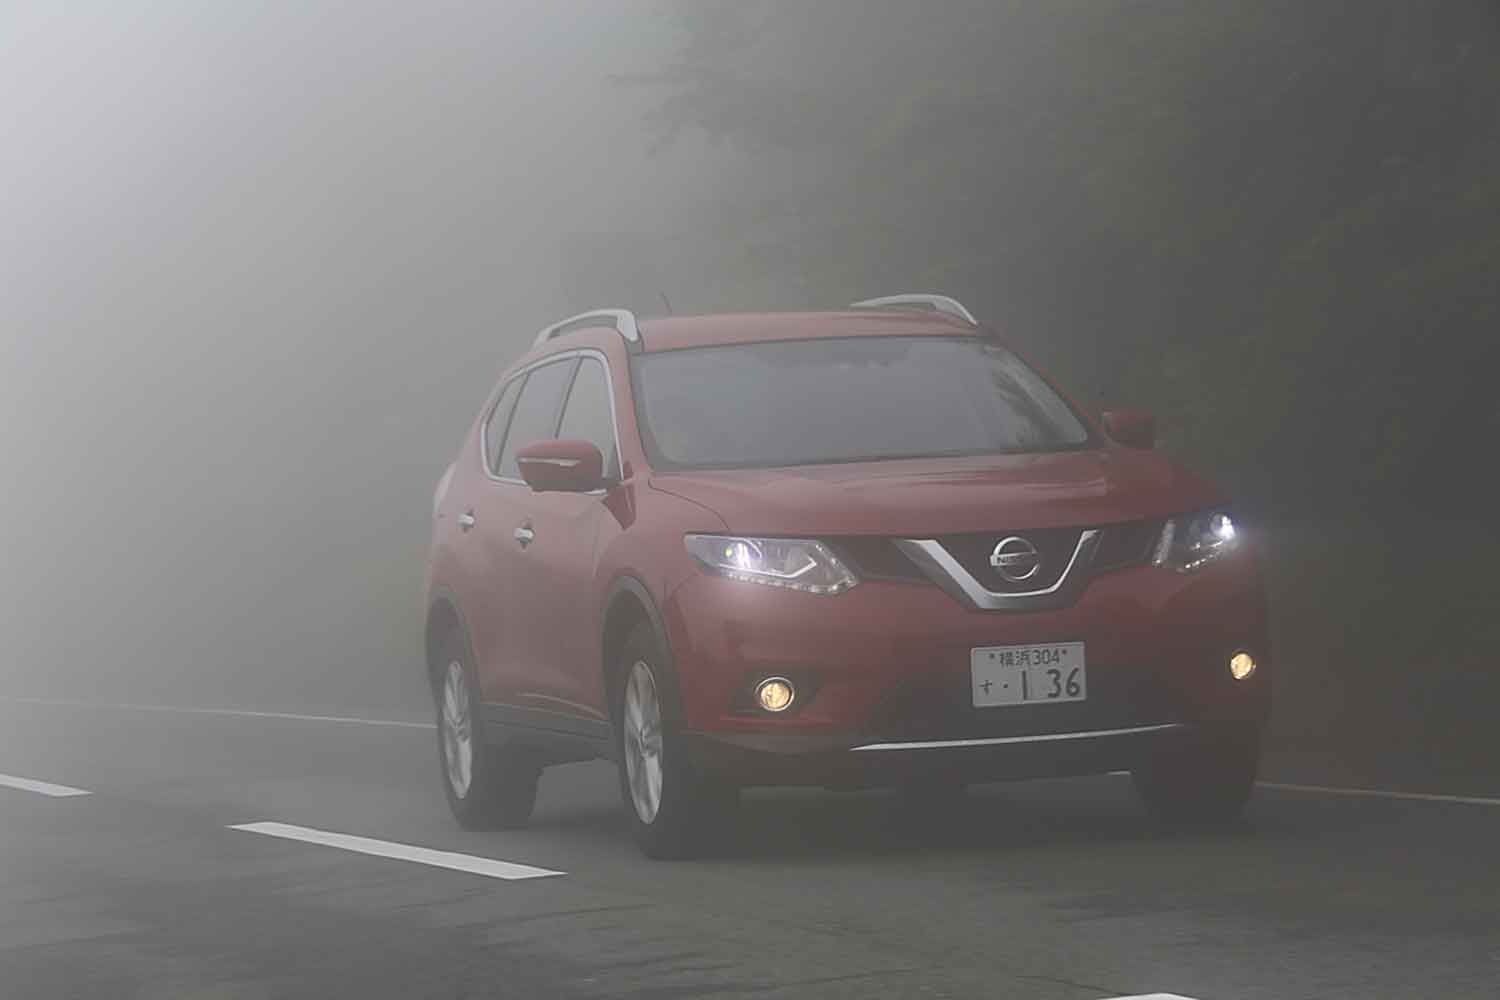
point(1202, 781)
point(488, 787)
point(673, 811)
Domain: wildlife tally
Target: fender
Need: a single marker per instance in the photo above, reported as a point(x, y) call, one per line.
point(443, 597)
point(625, 584)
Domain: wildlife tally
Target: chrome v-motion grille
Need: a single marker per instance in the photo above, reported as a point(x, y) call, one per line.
point(949, 573)
point(967, 566)
point(1038, 559)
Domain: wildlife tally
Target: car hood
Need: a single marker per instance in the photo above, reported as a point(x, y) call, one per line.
point(926, 497)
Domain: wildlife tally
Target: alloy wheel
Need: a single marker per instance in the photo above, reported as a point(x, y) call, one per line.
point(458, 730)
point(641, 726)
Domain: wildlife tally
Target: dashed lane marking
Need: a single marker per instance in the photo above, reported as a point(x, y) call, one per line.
point(489, 867)
point(1374, 793)
point(40, 787)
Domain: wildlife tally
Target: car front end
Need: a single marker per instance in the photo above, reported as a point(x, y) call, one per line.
point(925, 662)
point(933, 562)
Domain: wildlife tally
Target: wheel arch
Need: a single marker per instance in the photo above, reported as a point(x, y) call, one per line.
point(628, 604)
point(444, 618)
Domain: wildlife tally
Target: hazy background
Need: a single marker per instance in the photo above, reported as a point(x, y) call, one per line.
point(259, 264)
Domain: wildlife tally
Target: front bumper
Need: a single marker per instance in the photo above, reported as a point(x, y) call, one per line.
point(778, 759)
point(886, 665)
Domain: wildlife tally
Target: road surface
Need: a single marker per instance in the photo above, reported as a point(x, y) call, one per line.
point(225, 855)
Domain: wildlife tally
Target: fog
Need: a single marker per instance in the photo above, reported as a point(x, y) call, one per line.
point(259, 267)
point(261, 262)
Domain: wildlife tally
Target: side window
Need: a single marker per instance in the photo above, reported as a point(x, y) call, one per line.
point(535, 418)
point(588, 416)
point(494, 427)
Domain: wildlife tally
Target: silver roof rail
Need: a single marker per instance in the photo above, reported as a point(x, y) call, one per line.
point(919, 300)
point(623, 320)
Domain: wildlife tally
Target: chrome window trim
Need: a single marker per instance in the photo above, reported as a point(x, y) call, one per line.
point(1004, 740)
point(948, 573)
point(497, 396)
point(562, 356)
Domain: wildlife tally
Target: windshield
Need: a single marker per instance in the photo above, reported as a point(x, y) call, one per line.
point(803, 402)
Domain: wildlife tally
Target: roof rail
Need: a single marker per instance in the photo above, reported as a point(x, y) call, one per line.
point(623, 320)
point(919, 300)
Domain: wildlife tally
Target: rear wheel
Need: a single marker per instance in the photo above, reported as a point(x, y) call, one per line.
point(672, 809)
point(487, 787)
point(1203, 780)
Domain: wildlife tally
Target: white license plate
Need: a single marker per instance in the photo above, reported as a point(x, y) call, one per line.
point(1025, 675)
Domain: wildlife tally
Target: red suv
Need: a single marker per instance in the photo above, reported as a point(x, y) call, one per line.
point(868, 547)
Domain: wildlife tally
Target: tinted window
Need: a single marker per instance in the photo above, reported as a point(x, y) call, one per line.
point(846, 399)
point(494, 427)
point(535, 418)
point(588, 416)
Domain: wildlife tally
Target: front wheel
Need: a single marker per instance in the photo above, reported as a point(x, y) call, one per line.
point(672, 809)
point(1202, 780)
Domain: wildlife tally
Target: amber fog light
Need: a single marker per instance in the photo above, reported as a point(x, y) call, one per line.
point(775, 694)
point(1241, 665)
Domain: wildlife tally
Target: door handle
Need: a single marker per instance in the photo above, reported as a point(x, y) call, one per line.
point(466, 520)
point(524, 535)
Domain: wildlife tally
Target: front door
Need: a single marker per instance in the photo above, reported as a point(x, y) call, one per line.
point(558, 599)
point(509, 670)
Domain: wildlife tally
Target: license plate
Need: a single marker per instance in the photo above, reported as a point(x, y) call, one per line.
point(1025, 675)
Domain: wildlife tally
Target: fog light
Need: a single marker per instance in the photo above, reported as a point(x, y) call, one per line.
point(775, 694)
point(1241, 665)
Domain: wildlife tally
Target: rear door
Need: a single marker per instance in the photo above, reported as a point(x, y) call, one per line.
point(560, 599)
point(479, 511)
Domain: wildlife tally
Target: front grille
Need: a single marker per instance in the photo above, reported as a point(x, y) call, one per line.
point(873, 558)
point(1054, 546)
point(1122, 545)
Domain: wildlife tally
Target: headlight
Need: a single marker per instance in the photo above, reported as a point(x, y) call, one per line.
point(1192, 541)
point(776, 562)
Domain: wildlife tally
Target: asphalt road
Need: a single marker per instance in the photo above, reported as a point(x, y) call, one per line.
point(1046, 890)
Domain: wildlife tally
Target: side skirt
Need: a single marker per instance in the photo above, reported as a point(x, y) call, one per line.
point(560, 737)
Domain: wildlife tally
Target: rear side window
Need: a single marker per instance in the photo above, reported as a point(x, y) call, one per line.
point(588, 417)
point(494, 427)
point(536, 413)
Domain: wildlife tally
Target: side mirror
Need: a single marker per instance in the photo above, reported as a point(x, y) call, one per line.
point(1132, 428)
point(561, 465)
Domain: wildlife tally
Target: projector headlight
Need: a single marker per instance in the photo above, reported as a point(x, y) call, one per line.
point(1192, 541)
point(796, 564)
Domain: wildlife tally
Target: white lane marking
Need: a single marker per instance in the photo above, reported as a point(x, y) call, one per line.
point(1376, 793)
point(402, 852)
point(1381, 793)
point(242, 713)
point(1365, 793)
point(1154, 996)
point(41, 787)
